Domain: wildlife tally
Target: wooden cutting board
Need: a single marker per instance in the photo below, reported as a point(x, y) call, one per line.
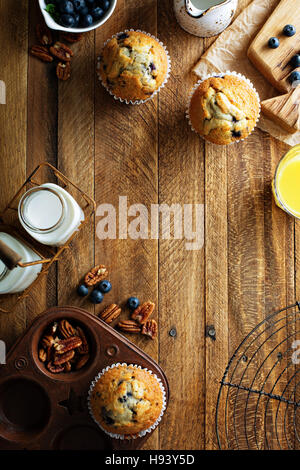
point(274, 63)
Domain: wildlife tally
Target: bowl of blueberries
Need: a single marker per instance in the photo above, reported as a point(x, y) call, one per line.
point(76, 16)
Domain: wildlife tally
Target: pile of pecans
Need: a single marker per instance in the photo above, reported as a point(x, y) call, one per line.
point(64, 348)
point(140, 319)
point(47, 50)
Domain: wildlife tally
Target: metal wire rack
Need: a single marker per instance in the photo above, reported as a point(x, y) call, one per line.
point(258, 406)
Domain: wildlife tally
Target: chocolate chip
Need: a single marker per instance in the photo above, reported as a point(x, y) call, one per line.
point(123, 399)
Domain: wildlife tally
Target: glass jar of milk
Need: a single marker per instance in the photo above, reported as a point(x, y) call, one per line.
point(18, 278)
point(50, 214)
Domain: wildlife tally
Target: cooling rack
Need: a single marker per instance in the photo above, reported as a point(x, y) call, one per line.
point(258, 404)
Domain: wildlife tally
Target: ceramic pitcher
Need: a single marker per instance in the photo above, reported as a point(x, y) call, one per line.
point(204, 18)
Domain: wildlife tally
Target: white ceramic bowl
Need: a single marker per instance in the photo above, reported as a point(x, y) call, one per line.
point(53, 25)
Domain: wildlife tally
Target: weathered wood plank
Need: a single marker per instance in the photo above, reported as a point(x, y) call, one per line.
point(76, 161)
point(181, 272)
point(126, 165)
point(216, 287)
point(13, 124)
point(41, 145)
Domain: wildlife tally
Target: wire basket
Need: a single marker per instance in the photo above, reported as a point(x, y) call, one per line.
point(258, 406)
point(9, 223)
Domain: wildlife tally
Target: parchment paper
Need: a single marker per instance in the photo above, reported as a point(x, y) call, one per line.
point(229, 52)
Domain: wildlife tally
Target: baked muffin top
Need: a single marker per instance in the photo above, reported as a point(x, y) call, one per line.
point(126, 400)
point(224, 109)
point(133, 65)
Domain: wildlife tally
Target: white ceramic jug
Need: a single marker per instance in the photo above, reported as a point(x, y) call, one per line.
point(204, 18)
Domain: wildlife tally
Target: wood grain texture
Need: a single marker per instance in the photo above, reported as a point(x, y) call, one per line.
point(249, 263)
point(126, 165)
point(274, 63)
point(75, 156)
point(13, 124)
point(41, 145)
point(284, 110)
point(181, 272)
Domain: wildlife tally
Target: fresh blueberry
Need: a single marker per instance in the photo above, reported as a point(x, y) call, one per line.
point(133, 303)
point(97, 13)
point(104, 287)
point(122, 36)
point(96, 297)
point(66, 6)
point(294, 77)
point(90, 3)
point(289, 30)
point(295, 61)
point(105, 4)
point(82, 290)
point(79, 5)
point(273, 43)
point(76, 20)
point(236, 134)
point(67, 20)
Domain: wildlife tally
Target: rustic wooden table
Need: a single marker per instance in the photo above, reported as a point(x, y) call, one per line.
point(248, 265)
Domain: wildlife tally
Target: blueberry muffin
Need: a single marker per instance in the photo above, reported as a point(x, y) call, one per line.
point(224, 109)
point(133, 66)
point(126, 400)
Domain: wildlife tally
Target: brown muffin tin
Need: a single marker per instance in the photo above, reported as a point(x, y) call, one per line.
point(43, 411)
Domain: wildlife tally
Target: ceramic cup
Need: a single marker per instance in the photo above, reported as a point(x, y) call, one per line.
point(204, 18)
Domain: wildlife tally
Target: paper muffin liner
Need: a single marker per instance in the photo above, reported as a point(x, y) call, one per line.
point(141, 433)
point(156, 91)
point(215, 75)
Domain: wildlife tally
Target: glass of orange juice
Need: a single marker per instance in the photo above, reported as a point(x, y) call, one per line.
point(286, 183)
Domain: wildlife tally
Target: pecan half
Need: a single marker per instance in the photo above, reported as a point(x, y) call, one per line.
point(61, 51)
point(143, 312)
point(72, 37)
point(55, 369)
point(68, 367)
point(41, 53)
point(51, 330)
point(82, 362)
point(44, 34)
point(66, 329)
point(110, 313)
point(63, 358)
point(47, 341)
point(63, 71)
point(129, 326)
point(65, 345)
point(95, 275)
point(42, 355)
point(150, 329)
point(84, 348)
